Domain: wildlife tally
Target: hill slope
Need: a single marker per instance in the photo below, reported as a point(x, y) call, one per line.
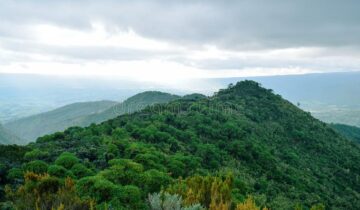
point(6, 137)
point(350, 132)
point(276, 152)
point(83, 114)
point(29, 128)
point(132, 104)
point(330, 97)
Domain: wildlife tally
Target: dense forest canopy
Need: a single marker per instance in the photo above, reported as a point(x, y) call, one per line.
point(243, 148)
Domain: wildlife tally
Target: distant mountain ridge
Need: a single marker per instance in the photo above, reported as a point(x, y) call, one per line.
point(132, 104)
point(82, 114)
point(318, 93)
point(348, 131)
point(29, 128)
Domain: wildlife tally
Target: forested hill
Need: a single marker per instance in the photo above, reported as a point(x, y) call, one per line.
point(350, 132)
point(6, 137)
point(82, 114)
point(241, 148)
point(132, 104)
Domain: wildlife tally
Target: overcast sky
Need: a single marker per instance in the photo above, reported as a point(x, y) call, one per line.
point(167, 41)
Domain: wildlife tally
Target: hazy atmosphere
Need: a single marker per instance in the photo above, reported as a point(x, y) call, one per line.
point(179, 105)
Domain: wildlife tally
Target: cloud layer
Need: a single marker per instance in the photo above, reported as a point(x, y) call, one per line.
point(208, 38)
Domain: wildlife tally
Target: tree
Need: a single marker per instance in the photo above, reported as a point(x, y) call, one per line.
point(80, 171)
point(176, 167)
point(153, 180)
point(58, 171)
point(97, 188)
point(128, 197)
point(123, 171)
point(36, 166)
point(35, 154)
point(66, 160)
point(15, 175)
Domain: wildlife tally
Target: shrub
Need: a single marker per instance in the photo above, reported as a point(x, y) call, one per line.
point(96, 187)
point(168, 201)
point(45, 192)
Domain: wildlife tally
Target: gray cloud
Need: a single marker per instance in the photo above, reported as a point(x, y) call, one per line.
point(246, 26)
point(82, 53)
point(243, 24)
point(321, 64)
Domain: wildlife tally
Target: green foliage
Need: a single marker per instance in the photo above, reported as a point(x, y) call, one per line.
point(2, 170)
point(120, 133)
point(128, 197)
point(154, 180)
point(105, 192)
point(123, 171)
point(275, 152)
point(15, 174)
point(35, 154)
point(350, 132)
point(298, 207)
point(318, 207)
point(176, 167)
point(79, 170)
point(58, 171)
point(96, 187)
point(67, 160)
point(36, 166)
point(77, 114)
